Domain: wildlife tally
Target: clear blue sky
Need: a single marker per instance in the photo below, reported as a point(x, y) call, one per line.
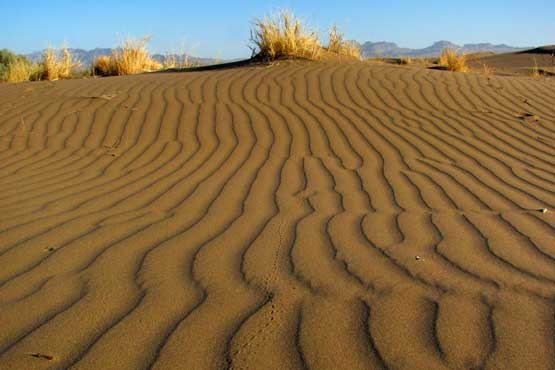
point(217, 28)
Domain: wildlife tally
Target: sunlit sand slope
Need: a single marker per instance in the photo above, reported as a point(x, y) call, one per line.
point(300, 216)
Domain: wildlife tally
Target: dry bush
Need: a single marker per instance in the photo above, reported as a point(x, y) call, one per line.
point(170, 61)
point(177, 62)
point(406, 60)
point(53, 66)
point(104, 66)
point(487, 70)
point(338, 45)
point(58, 65)
point(131, 57)
point(283, 35)
point(7, 57)
point(351, 49)
point(336, 41)
point(453, 61)
point(20, 70)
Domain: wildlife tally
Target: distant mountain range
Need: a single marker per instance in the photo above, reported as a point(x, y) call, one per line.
point(86, 57)
point(392, 50)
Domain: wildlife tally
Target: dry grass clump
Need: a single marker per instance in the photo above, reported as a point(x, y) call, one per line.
point(453, 61)
point(338, 45)
point(57, 65)
point(54, 65)
point(406, 60)
point(22, 70)
point(283, 35)
point(335, 40)
point(487, 70)
point(131, 57)
point(18, 71)
point(172, 61)
point(104, 66)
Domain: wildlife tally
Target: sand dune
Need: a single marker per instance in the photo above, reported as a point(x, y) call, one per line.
point(520, 63)
point(300, 216)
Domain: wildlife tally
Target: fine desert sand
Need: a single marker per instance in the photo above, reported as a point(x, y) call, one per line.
point(318, 215)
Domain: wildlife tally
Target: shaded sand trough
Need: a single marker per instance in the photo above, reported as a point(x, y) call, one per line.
point(303, 216)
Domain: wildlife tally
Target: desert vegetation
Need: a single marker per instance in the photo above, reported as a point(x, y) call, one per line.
point(131, 57)
point(15, 68)
point(487, 70)
point(57, 65)
point(285, 35)
point(22, 70)
point(279, 35)
point(177, 61)
point(337, 44)
point(104, 66)
point(406, 60)
point(7, 58)
point(53, 65)
point(453, 61)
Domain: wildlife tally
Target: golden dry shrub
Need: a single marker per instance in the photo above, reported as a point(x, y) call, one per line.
point(335, 40)
point(487, 70)
point(153, 65)
point(170, 61)
point(104, 66)
point(58, 65)
point(18, 71)
point(283, 35)
point(337, 44)
point(453, 61)
point(132, 57)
